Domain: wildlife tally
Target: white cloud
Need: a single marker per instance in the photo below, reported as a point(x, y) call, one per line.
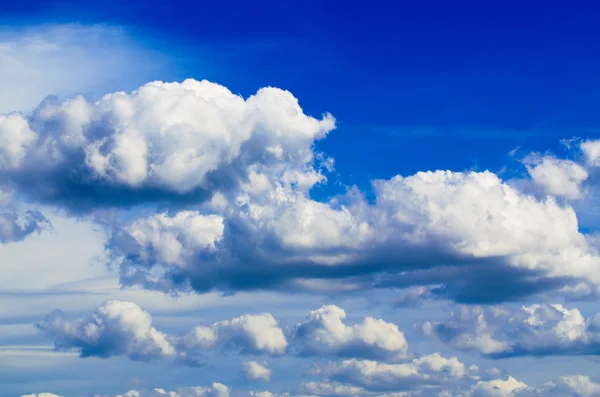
point(122, 328)
point(497, 388)
point(116, 328)
point(257, 371)
point(431, 220)
point(164, 141)
point(539, 329)
point(432, 370)
point(591, 152)
point(561, 178)
point(323, 333)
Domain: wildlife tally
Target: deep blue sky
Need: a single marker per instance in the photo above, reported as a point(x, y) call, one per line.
point(406, 80)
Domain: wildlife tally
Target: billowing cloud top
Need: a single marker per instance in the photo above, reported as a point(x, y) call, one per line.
point(235, 175)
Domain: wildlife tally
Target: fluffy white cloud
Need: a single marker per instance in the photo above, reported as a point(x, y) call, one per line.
point(431, 370)
point(257, 371)
point(123, 328)
point(539, 329)
point(248, 166)
point(247, 334)
point(591, 152)
point(323, 333)
point(163, 141)
point(561, 178)
point(116, 328)
point(463, 227)
point(497, 388)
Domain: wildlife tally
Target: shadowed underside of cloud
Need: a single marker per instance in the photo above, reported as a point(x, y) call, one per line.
point(236, 176)
point(537, 330)
point(15, 226)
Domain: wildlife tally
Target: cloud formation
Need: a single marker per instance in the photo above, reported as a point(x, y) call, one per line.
point(235, 175)
point(536, 330)
point(257, 371)
point(460, 231)
point(323, 333)
point(120, 328)
point(165, 142)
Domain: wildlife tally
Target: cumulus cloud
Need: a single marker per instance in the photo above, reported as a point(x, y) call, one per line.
point(431, 370)
point(462, 231)
point(116, 328)
point(247, 334)
point(537, 330)
point(163, 142)
point(557, 177)
point(591, 152)
point(244, 168)
point(323, 333)
point(120, 328)
point(257, 371)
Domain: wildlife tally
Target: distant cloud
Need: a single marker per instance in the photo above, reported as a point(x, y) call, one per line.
point(536, 330)
point(323, 333)
point(257, 371)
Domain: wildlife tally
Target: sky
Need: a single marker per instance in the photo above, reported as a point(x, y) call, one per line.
point(301, 198)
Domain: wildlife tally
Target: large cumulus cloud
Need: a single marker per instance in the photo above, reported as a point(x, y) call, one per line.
point(164, 142)
point(235, 175)
point(455, 232)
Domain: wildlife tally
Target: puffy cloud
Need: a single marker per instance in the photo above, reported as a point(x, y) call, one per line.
point(591, 152)
point(323, 333)
point(244, 168)
point(497, 388)
point(430, 370)
point(247, 334)
point(257, 371)
point(462, 231)
point(164, 142)
point(116, 328)
point(561, 178)
point(123, 328)
point(538, 330)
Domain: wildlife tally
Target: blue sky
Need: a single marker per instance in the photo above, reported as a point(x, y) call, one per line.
point(410, 208)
